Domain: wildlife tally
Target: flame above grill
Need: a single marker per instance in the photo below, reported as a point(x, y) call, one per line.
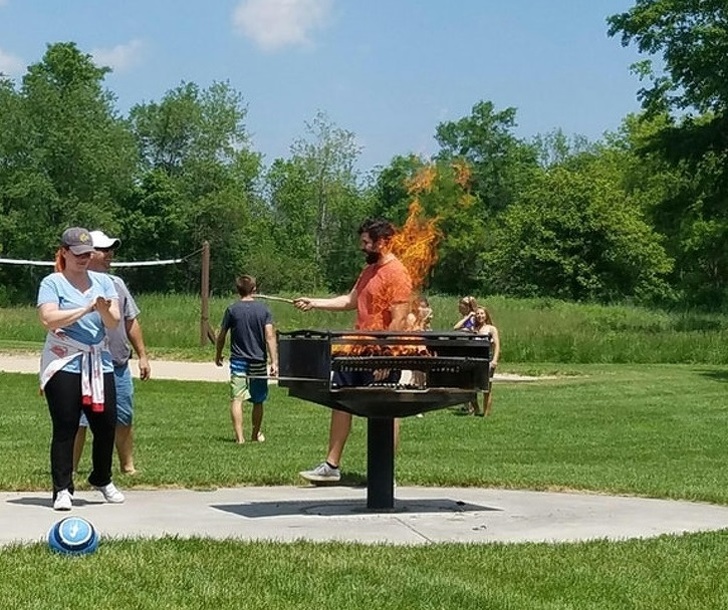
point(362, 349)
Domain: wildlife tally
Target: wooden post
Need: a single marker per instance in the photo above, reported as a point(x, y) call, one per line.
point(205, 329)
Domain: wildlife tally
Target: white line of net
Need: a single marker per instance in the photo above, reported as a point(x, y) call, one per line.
point(16, 261)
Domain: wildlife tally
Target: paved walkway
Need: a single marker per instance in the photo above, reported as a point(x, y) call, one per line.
point(161, 369)
point(164, 369)
point(421, 515)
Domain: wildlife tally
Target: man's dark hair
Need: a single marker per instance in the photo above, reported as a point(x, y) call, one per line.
point(377, 228)
point(245, 285)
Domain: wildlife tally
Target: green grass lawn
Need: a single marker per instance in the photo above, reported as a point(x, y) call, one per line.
point(652, 430)
point(649, 430)
point(676, 573)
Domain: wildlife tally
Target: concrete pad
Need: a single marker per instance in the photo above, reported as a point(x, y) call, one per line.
point(422, 515)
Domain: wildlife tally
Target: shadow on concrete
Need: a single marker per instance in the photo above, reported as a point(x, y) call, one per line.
point(48, 503)
point(256, 510)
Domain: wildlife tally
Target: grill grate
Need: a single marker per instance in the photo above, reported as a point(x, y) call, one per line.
point(441, 360)
point(441, 364)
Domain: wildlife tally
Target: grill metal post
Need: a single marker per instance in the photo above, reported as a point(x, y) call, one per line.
point(380, 463)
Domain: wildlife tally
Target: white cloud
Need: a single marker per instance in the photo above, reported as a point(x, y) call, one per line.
point(119, 58)
point(3, 2)
point(11, 65)
point(274, 24)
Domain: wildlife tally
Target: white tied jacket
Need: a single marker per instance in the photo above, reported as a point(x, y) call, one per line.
point(59, 350)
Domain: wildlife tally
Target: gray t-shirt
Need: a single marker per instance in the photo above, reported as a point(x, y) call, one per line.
point(118, 339)
point(246, 321)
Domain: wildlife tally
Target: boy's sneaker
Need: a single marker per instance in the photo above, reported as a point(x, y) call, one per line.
point(111, 493)
point(322, 473)
point(63, 501)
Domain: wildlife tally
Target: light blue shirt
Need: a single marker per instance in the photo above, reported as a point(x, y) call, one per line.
point(89, 329)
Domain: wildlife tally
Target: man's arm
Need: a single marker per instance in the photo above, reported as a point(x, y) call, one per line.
point(399, 313)
point(220, 345)
point(270, 339)
point(343, 302)
point(136, 338)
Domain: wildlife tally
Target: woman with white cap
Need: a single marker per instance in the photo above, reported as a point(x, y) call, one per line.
point(76, 306)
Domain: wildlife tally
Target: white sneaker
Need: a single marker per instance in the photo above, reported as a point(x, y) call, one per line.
point(322, 473)
point(63, 501)
point(111, 494)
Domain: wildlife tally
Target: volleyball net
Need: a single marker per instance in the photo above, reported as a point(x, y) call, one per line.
point(169, 261)
point(207, 334)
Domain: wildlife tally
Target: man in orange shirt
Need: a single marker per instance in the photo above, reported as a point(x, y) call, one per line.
point(381, 297)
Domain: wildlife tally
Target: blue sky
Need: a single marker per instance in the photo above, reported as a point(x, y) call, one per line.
point(388, 70)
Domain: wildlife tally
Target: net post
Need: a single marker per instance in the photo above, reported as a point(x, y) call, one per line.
point(205, 329)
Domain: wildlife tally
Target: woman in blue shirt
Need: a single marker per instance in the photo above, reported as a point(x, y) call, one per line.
point(76, 306)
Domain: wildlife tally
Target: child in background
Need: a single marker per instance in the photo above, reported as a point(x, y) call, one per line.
point(484, 326)
point(251, 326)
point(466, 307)
point(420, 319)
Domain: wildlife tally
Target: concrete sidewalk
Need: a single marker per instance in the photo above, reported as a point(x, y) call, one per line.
point(161, 369)
point(421, 515)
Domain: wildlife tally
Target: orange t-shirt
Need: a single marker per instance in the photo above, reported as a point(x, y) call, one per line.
point(377, 289)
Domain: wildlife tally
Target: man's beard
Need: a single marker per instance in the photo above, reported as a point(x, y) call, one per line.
point(372, 257)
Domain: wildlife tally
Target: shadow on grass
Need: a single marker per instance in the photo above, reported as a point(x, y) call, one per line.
point(715, 374)
point(353, 479)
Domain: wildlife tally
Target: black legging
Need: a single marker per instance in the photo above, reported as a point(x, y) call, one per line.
point(63, 394)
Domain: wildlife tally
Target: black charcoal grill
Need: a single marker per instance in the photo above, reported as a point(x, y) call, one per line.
point(445, 369)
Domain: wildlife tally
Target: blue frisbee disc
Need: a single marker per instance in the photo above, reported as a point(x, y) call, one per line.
point(73, 536)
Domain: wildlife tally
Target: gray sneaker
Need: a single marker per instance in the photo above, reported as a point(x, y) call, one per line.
point(322, 473)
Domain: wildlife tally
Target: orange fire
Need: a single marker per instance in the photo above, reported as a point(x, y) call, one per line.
point(368, 349)
point(415, 244)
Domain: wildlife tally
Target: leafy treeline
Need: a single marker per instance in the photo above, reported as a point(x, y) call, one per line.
point(638, 216)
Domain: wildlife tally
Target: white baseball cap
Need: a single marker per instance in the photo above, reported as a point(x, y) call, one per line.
point(99, 239)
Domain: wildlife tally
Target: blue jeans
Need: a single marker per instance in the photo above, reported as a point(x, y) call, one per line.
point(124, 397)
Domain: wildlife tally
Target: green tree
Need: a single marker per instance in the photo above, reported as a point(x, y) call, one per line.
point(318, 203)
point(67, 158)
point(691, 88)
point(294, 261)
point(692, 40)
point(199, 183)
point(501, 163)
point(576, 234)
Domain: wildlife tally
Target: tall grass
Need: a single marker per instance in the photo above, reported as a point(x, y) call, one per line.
point(532, 330)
